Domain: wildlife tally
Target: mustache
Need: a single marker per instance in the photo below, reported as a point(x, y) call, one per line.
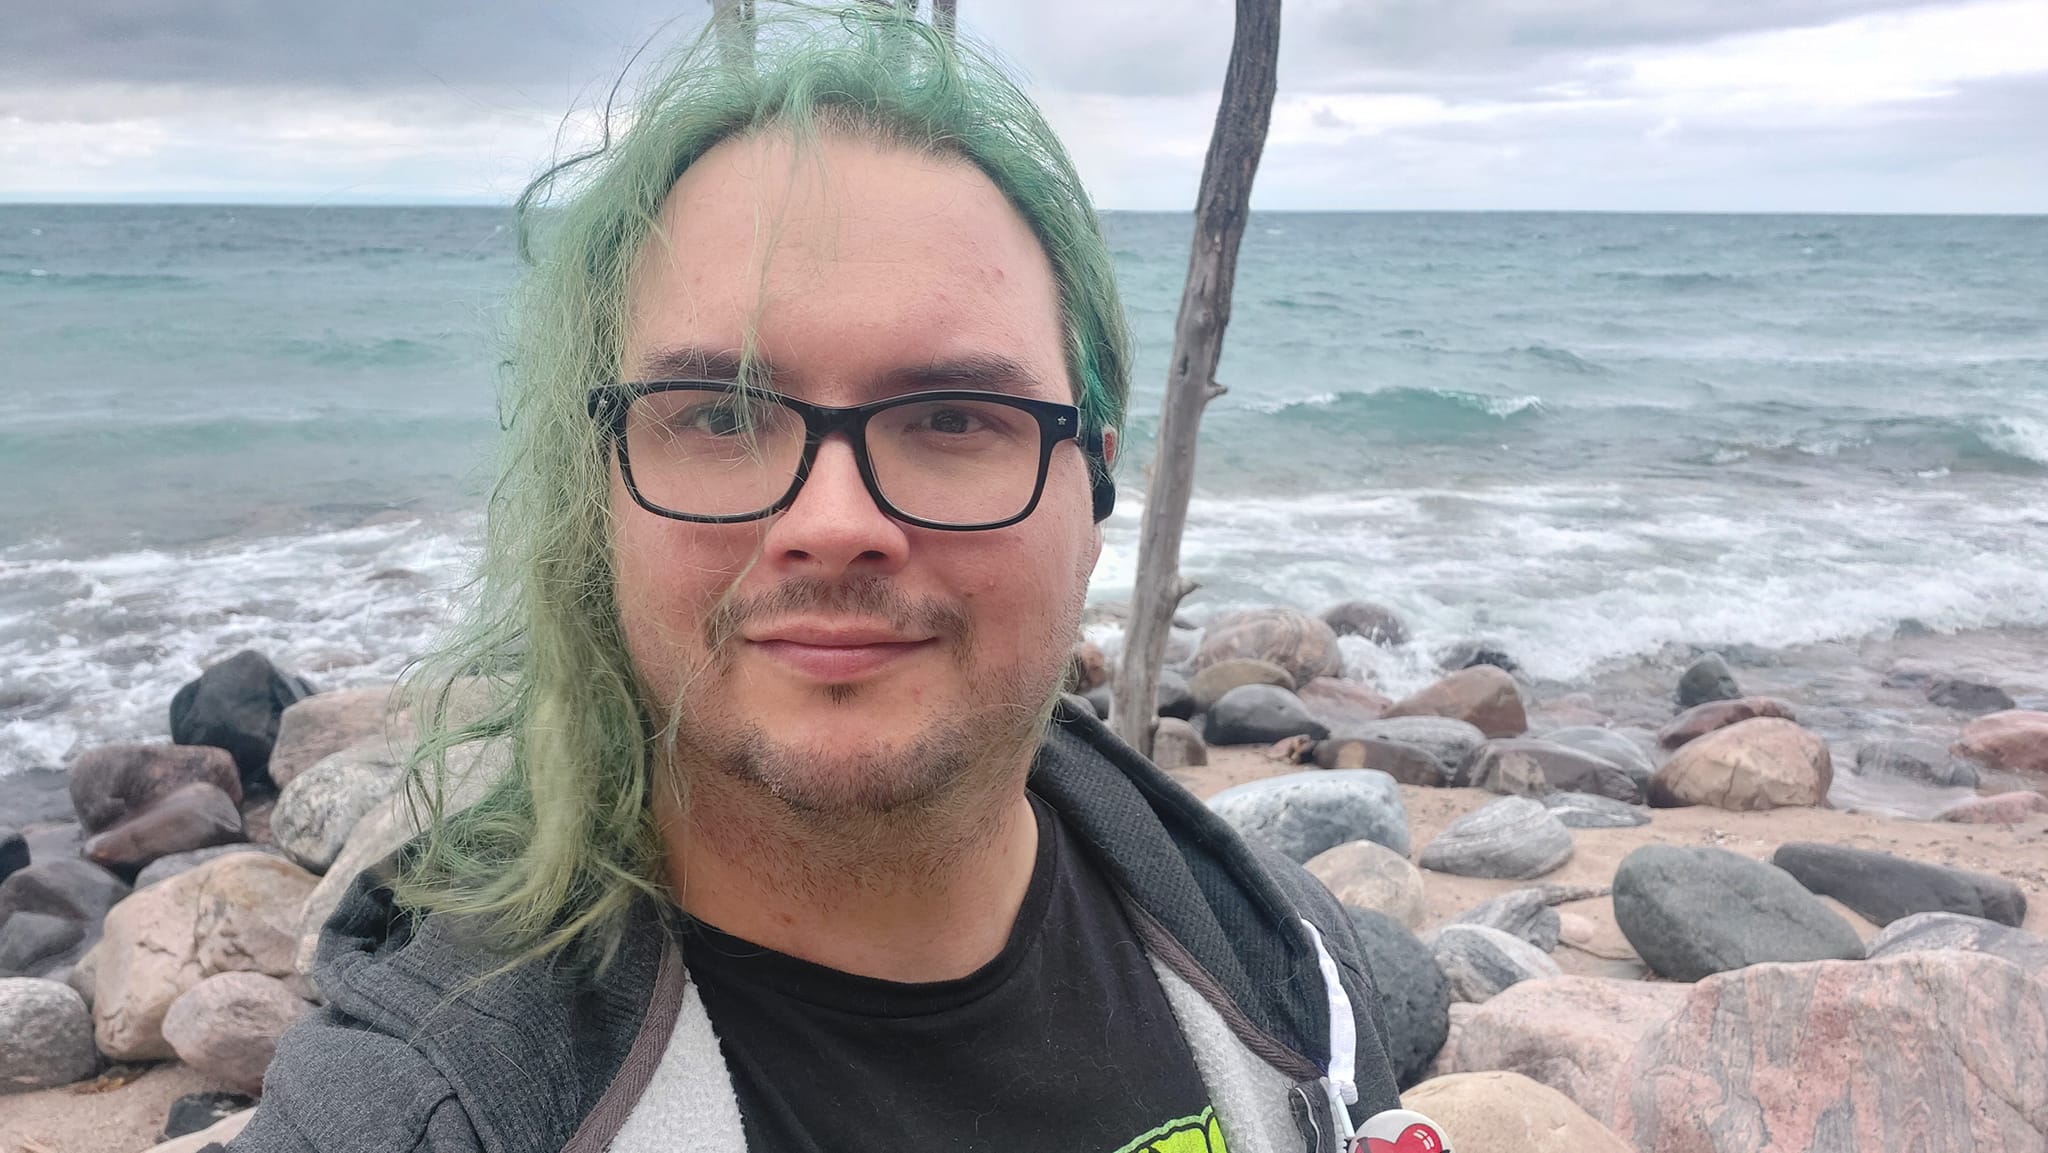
point(866, 597)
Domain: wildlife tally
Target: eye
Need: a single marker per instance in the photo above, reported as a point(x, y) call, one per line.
point(954, 421)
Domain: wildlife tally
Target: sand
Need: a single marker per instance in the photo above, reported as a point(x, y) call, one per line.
point(86, 1118)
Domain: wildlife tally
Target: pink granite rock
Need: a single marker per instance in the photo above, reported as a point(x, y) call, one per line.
point(1698, 721)
point(227, 1026)
point(2015, 740)
point(1482, 696)
point(1764, 763)
point(1929, 1051)
point(2003, 809)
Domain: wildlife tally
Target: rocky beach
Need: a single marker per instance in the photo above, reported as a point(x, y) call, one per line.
point(1794, 900)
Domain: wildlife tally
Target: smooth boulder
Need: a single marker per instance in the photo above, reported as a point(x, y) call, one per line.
point(1209, 685)
point(235, 705)
point(317, 727)
point(1368, 875)
point(1586, 811)
point(1924, 931)
point(64, 887)
point(317, 809)
point(13, 851)
point(2015, 740)
point(1412, 992)
point(1757, 764)
point(1512, 838)
point(1968, 696)
point(1692, 911)
point(1302, 814)
point(1176, 744)
point(1610, 745)
point(1999, 809)
point(1260, 715)
point(1479, 963)
point(1500, 1112)
point(1292, 639)
point(1408, 764)
point(1713, 716)
point(1922, 761)
point(113, 783)
point(194, 816)
point(1936, 1052)
point(33, 944)
point(1521, 767)
point(45, 1035)
point(227, 1026)
point(1709, 679)
point(1574, 1034)
point(1342, 704)
point(1881, 888)
point(1482, 696)
point(1173, 696)
point(1523, 913)
point(164, 868)
point(1374, 622)
point(1447, 739)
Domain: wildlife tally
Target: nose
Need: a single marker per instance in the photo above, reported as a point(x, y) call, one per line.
point(834, 528)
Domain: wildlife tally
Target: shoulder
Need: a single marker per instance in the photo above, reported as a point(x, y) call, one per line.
point(337, 1085)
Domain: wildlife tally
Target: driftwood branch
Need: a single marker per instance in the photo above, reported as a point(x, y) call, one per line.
point(1221, 207)
point(733, 21)
point(944, 16)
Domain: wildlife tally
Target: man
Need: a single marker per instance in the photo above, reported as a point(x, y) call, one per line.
point(820, 372)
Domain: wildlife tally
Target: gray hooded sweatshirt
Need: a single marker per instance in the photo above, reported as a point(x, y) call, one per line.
point(1259, 963)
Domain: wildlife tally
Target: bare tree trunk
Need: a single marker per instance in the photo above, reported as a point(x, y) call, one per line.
point(944, 16)
point(734, 21)
point(1220, 210)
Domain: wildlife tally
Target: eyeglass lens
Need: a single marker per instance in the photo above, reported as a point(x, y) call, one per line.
point(960, 462)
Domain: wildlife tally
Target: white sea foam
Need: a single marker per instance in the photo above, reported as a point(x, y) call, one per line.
point(2025, 436)
point(92, 650)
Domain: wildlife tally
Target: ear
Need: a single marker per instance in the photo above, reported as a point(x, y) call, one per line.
point(1109, 447)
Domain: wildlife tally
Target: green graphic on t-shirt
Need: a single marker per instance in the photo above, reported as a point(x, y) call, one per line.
point(1198, 1134)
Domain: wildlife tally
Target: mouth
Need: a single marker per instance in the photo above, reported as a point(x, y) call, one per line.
point(836, 654)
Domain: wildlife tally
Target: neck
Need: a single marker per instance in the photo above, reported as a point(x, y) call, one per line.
point(925, 894)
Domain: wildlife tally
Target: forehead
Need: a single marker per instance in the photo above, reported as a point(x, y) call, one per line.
point(847, 261)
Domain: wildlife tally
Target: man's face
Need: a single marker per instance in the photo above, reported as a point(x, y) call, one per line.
point(838, 658)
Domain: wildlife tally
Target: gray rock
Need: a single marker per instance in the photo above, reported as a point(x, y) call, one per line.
point(1173, 697)
point(1586, 811)
point(1412, 991)
point(1693, 911)
point(227, 1026)
point(1513, 837)
point(1709, 679)
point(1610, 745)
point(49, 1035)
point(13, 851)
point(115, 783)
point(1971, 697)
point(235, 705)
point(1522, 913)
point(1922, 761)
point(194, 816)
point(1925, 931)
point(1521, 767)
point(1375, 622)
point(1260, 715)
point(1882, 888)
point(164, 868)
point(1209, 685)
point(1479, 962)
point(316, 811)
point(1176, 744)
point(66, 887)
point(31, 944)
point(1447, 739)
point(1471, 654)
point(1302, 814)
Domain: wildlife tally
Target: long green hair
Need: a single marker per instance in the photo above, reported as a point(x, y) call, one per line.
point(554, 853)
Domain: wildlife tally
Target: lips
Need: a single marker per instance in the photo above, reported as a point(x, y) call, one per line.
point(836, 653)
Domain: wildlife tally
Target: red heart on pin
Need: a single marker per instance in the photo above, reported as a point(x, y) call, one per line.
point(1414, 1139)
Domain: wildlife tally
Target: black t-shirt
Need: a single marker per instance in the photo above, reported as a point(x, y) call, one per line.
point(1063, 1042)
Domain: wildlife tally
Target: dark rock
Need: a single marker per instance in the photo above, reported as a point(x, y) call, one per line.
point(1376, 623)
point(1968, 696)
point(1295, 641)
point(235, 706)
point(1098, 698)
point(1302, 814)
point(1923, 931)
point(196, 1111)
point(164, 868)
point(1610, 745)
point(33, 943)
point(1882, 888)
point(196, 816)
point(48, 1036)
point(1472, 654)
point(66, 887)
point(1709, 679)
point(1922, 761)
point(1411, 989)
point(1260, 715)
point(1173, 697)
point(1449, 741)
point(1511, 838)
point(1478, 962)
point(113, 783)
point(1175, 745)
point(1586, 811)
point(1522, 913)
point(1531, 768)
point(52, 842)
point(1208, 686)
point(1407, 764)
point(13, 851)
point(1693, 911)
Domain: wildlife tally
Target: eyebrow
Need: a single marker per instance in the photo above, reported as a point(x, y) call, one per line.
point(986, 372)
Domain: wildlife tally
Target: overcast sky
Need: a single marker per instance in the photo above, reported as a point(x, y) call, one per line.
point(1696, 105)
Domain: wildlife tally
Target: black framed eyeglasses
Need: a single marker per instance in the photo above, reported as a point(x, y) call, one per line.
point(714, 452)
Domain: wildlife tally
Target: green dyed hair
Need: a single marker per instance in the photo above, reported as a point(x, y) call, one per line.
point(554, 853)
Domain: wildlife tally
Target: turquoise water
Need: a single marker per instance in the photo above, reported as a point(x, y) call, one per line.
point(1585, 436)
